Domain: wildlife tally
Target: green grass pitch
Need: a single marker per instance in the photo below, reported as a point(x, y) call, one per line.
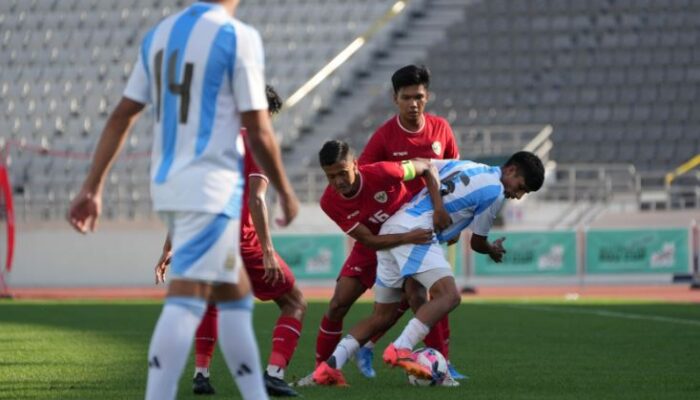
point(511, 350)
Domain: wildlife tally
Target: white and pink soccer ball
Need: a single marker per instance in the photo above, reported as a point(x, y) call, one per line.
point(433, 360)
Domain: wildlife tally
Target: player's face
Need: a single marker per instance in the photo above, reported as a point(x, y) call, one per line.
point(411, 102)
point(342, 176)
point(514, 186)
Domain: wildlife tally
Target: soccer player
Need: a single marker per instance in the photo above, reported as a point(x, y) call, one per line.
point(411, 133)
point(203, 72)
point(473, 195)
point(359, 199)
point(271, 278)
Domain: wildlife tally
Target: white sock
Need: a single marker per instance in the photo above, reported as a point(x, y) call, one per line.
point(170, 345)
point(413, 333)
point(275, 371)
point(369, 345)
point(201, 370)
point(344, 350)
point(237, 342)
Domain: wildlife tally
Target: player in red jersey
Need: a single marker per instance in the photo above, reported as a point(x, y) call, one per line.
point(359, 199)
point(269, 275)
point(412, 133)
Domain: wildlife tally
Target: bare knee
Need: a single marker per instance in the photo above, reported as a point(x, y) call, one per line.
point(337, 309)
point(293, 304)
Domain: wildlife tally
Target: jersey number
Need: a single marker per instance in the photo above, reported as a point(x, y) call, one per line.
point(449, 183)
point(379, 217)
point(178, 89)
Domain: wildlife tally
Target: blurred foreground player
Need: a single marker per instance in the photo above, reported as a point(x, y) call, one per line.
point(203, 72)
point(270, 276)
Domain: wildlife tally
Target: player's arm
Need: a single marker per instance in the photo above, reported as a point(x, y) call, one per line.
point(423, 167)
point(258, 213)
point(266, 152)
point(164, 260)
point(363, 235)
point(86, 207)
point(495, 250)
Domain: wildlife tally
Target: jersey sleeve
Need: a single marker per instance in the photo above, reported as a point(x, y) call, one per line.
point(451, 148)
point(250, 167)
point(391, 171)
point(347, 222)
point(137, 88)
point(249, 71)
point(374, 150)
point(484, 221)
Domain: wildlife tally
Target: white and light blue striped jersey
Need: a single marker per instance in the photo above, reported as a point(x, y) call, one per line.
point(199, 69)
point(471, 192)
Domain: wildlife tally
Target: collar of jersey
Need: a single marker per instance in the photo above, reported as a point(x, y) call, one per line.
point(398, 120)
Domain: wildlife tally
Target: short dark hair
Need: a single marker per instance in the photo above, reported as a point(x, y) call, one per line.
point(410, 75)
point(529, 167)
point(274, 101)
point(333, 151)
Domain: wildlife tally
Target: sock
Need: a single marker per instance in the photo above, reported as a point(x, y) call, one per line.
point(345, 349)
point(436, 337)
point(399, 313)
point(171, 344)
point(446, 337)
point(275, 371)
point(237, 342)
point(329, 334)
point(284, 341)
point(413, 333)
point(205, 341)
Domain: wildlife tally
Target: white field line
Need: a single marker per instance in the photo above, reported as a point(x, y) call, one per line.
point(609, 314)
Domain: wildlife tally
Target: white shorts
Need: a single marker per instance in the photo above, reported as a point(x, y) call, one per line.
point(396, 264)
point(205, 246)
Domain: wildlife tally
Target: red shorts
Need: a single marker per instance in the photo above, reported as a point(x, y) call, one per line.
point(261, 289)
point(361, 264)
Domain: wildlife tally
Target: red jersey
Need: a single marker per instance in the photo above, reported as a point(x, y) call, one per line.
point(381, 193)
point(393, 142)
point(250, 244)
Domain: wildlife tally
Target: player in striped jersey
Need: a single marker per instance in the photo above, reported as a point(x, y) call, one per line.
point(202, 70)
point(473, 195)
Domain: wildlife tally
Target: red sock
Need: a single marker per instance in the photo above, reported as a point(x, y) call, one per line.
point(436, 337)
point(205, 338)
point(446, 337)
point(284, 341)
point(399, 313)
point(329, 334)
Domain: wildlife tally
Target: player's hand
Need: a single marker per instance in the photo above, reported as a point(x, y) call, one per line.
point(273, 272)
point(290, 208)
point(84, 211)
point(162, 266)
point(419, 236)
point(453, 241)
point(497, 250)
point(441, 220)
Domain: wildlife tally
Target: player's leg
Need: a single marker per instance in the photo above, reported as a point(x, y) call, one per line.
point(204, 344)
point(237, 339)
point(328, 372)
point(347, 291)
point(444, 298)
point(193, 264)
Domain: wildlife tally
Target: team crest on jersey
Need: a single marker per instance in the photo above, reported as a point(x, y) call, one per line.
point(437, 148)
point(381, 197)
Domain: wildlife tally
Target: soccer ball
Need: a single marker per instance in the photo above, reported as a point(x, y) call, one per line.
point(432, 359)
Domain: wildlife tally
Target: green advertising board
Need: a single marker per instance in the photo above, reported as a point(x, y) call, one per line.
point(312, 256)
point(531, 253)
point(619, 251)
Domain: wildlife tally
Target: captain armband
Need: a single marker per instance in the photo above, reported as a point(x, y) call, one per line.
point(409, 170)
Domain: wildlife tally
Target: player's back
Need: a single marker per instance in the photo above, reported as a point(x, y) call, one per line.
point(197, 64)
point(468, 189)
